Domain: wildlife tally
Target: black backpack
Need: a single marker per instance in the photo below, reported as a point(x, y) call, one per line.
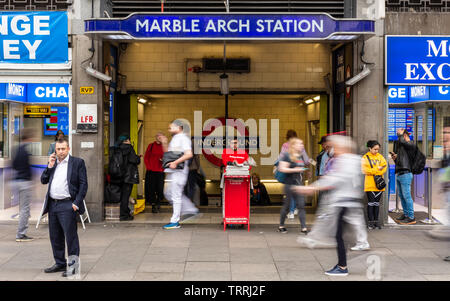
point(116, 163)
point(418, 161)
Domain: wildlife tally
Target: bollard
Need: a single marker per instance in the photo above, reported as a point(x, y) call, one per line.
point(429, 220)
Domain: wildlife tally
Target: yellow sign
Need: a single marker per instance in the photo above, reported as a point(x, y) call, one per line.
point(86, 90)
point(36, 111)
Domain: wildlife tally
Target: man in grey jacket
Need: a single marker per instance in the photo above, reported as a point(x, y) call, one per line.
point(344, 183)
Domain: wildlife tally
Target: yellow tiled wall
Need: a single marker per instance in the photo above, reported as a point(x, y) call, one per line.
point(165, 108)
point(274, 66)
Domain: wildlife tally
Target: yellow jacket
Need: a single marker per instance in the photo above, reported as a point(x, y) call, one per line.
point(377, 161)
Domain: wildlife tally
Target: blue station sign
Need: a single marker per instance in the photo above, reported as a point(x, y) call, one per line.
point(417, 60)
point(229, 26)
point(33, 37)
point(35, 93)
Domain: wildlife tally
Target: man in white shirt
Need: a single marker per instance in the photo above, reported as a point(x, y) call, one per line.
point(67, 181)
point(177, 178)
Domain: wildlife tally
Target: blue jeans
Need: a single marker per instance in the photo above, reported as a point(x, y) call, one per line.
point(292, 205)
point(404, 192)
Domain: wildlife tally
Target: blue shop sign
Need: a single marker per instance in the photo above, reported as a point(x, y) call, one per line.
point(35, 93)
point(398, 94)
point(33, 37)
point(418, 93)
point(440, 93)
point(229, 26)
point(417, 60)
point(48, 93)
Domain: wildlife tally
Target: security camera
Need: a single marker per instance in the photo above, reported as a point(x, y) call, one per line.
point(92, 72)
point(366, 71)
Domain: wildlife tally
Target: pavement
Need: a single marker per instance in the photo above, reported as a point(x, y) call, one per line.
point(196, 252)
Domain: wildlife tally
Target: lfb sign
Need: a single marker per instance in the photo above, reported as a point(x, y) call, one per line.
point(87, 118)
point(33, 37)
point(417, 60)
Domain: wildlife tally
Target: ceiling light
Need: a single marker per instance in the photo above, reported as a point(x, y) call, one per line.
point(142, 100)
point(308, 101)
point(317, 97)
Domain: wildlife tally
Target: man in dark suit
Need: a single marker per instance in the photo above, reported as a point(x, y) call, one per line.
point(67, 179)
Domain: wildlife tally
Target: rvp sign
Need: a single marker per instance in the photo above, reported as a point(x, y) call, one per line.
point(33, 37)
point(417, 60)
point(86, 90)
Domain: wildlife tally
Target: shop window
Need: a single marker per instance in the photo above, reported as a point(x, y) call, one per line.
point(4, 130)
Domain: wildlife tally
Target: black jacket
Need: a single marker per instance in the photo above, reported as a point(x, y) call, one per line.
point(76, 179)
point(264, 198)
point(404, 150)
point(21, 163)
point(319, 160)
point(131, 164)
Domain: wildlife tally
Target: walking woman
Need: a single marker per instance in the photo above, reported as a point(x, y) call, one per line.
point(292, 164)
point(375, 167)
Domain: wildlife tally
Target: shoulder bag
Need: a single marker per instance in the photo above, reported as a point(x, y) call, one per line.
point(380, 183)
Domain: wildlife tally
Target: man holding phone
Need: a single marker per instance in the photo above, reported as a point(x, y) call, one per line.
point(67, 186)
point(403, 150)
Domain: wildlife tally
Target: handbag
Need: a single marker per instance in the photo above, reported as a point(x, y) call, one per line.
point(171, 156)
point(380, 183)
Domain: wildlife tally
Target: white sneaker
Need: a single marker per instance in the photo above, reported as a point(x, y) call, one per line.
point(363, 247)
point(295, 211)
point(291, 215)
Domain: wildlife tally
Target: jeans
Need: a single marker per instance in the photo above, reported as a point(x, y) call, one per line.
point(300, 200)
point(404, 192)
point(174, 193)
point(292, 205)
point(23, 190)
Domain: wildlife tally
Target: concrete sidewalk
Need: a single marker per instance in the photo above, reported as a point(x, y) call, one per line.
point(205, 252)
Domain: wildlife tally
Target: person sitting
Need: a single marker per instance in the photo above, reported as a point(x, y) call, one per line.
point(259, 195)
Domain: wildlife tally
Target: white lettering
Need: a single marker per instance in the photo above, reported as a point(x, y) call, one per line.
point(176, 25)
point(301, 28)
point(245, 25)
point(62, 93)
point(4, 26)
point(155, 26)
point(195, 25)
point(24, 28)
point(221, 25)
point(230, 29)
point(418, 91)
point(427, 71)
point(39, 23)
point(210, 26)
point(39, 92)
point(166, 26)
point(439, 71)
point(411, 70)
point(16, 90)
point(278, 26)
point(50, 91)
point(8, 48)
point(443, 90)
point(432, 46)
point(317, 26)
point(260, 26)
point(32, 48)
point(140, 24)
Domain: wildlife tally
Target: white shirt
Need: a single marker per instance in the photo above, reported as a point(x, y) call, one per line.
point(180, 143)
point(59, 188)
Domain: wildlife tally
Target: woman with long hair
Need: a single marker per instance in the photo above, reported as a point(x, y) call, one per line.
point(293, 164)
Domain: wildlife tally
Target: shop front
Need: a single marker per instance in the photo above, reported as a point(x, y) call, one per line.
point(35, 91)
point(279, 72)
point(419, 101)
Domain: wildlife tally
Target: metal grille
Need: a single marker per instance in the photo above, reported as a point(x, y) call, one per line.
point(418, 5)
point(122, 8)
point(35, 4)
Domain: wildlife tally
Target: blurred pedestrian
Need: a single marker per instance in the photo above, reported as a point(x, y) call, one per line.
point(344, 183)
point(51, 149)
point(67, 187)
point(154, 176)
point(22, 184)
point(404, 150)
point(177, 171)
point(293, 165)
point(293, 210)
point(373, 164)
point(323, 156)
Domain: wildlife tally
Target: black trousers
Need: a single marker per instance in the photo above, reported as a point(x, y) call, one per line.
point(373, 205)
point(154, 187)
point(342, 256)
point(62, 226)
point(125, 193)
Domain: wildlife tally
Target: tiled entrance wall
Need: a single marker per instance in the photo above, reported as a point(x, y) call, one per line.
point(274, 66)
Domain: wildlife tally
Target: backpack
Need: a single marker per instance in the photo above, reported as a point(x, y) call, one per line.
point(279, 176)
point(418, 162)
point(116, 163)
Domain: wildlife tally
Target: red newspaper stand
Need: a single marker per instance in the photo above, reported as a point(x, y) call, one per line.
point(236, 196)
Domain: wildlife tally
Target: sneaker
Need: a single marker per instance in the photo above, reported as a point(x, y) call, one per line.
point(337, 271)
point(304, 231)
point(24, 238)
point(370, 226)
point(363, 247)
point(447, 258)
point(172, 226)
point(291, 215)
point(402, 217)
point(296, 211)
point(282, 230)
point(408, 221)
